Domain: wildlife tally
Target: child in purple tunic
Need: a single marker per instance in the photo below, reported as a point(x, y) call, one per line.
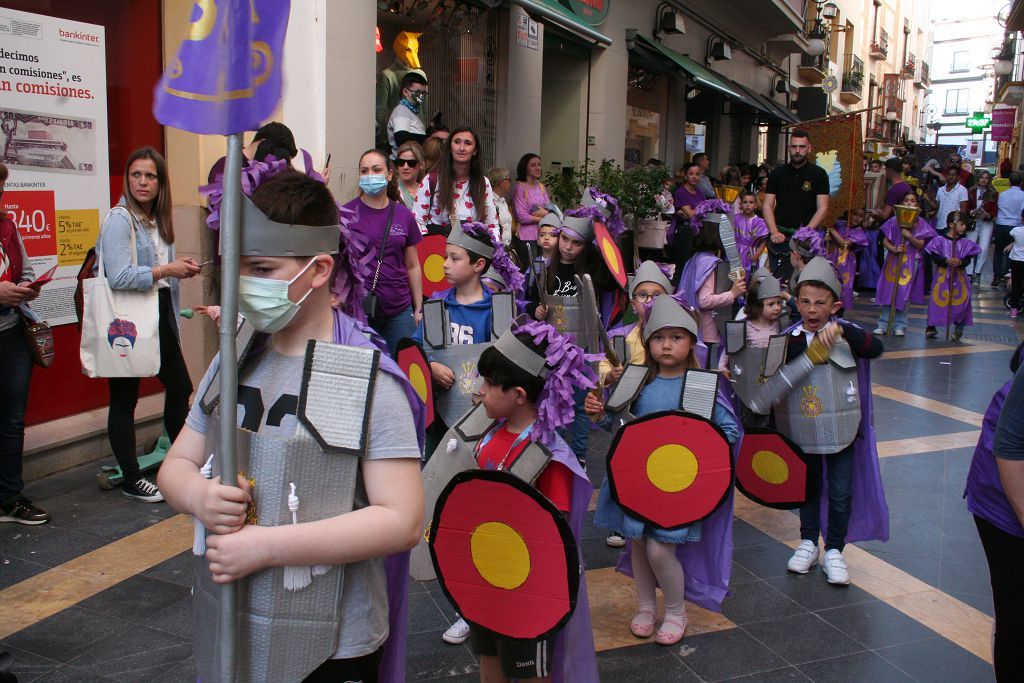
point(901, 271)
point(950, 298)
point(847, 239)
point(751, 233)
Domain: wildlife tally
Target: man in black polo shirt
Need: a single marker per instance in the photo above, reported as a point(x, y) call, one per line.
point(796, 196)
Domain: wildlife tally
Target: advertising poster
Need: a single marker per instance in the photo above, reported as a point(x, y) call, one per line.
point(53, 140)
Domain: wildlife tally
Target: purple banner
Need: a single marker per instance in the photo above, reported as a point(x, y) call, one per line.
point(1002, 124)
point(227, 76)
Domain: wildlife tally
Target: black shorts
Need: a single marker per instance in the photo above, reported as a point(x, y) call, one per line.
point(519, 658)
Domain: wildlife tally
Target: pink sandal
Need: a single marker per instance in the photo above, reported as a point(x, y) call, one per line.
point(642, 625)
point(672, 629)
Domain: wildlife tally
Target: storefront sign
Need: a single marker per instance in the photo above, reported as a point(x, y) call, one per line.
point(1003, 121)
point(593, 12)
point(527, 31)
point(53, 139)
point(978, 122)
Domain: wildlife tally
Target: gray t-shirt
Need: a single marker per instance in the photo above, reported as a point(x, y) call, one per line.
point(268, 395)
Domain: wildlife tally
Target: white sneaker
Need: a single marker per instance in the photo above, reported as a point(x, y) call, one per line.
point(899, 333)
point(878, 330)
point(835, 568)
point(805, 557)
point(615, 540)
point(457, 633)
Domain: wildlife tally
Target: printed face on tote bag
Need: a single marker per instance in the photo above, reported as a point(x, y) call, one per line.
point(121, 335)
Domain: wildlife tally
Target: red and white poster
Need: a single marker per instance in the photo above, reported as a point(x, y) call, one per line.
point(53, 140)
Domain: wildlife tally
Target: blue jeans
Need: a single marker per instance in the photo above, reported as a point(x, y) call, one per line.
point(395, 328)
point(840, 493)
point(16, 370)
point(578, 433)
point(900, 320)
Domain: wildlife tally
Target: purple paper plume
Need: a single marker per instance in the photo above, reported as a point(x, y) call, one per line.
point(616, 225)
point(501, 261)
point(704, 208)
point(568, 371)
point(810, 239)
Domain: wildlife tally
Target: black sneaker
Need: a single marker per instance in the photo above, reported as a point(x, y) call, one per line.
point(931, 332)
point(143, 490)
point(23, 511)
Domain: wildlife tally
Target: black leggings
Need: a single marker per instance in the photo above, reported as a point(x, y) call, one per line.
point(1016, 282)
point(124, 395)
point(1005, 554)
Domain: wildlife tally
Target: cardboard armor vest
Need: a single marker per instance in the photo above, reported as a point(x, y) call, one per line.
point(751, 366)
point(698, 395)
point(322, 460)
point(571, 315)
point(455, 454)
point(821, 414)
point(461, 358)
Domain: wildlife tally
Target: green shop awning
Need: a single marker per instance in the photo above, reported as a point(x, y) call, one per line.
point(565, 18)
point(698, 71)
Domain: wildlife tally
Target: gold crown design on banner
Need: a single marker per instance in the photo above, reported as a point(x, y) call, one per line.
point(728, 193)
point(906, 216)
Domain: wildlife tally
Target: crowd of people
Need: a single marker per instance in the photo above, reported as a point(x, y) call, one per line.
point(335, 295)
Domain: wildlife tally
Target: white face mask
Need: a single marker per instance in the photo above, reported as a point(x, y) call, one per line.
point(264, 301)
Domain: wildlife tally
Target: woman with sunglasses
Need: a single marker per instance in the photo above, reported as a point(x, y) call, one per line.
point(409, 161)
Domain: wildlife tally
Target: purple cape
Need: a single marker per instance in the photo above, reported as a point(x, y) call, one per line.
point(869, 513)
point(574, 655)
point(911, 277)
point(750, 238)
point(868, 261)
point(945, 305)
point(984, 491)
point(392, 667)
point(707, 564)
point(695, 272)
point(845, 260)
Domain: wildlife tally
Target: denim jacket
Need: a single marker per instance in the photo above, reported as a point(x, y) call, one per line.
point(114, 247)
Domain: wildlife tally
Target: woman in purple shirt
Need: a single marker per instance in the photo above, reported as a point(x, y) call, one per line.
point(530, 196)
point(399, 288)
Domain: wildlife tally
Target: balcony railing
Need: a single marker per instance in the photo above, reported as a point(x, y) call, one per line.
point(910, 67)
point(880, 47)
point(853, 79)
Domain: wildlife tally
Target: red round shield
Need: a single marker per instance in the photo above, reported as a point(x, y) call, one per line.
point(670, 468)
point(415, 366)
point(610, 253)
point(504, 555)
point(431, 255)
point(771, 470)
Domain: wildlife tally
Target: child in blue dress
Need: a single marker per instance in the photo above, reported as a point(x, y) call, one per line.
point(670, 336)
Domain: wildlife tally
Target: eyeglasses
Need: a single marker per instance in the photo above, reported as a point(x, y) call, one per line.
point(411, 163)
point(644, 297)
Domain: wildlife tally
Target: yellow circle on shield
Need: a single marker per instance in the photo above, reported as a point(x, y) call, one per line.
point(610, 257)
point(672, 467)
point(500, 555)
point(433, 267)
point(418, 381)
point(770, 467)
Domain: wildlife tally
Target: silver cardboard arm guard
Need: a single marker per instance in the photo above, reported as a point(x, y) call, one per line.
point(727, 233)
point(780, 384)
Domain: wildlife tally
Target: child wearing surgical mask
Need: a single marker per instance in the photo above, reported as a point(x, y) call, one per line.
point(399, 282)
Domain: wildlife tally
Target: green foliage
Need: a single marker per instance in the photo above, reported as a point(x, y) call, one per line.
point(636, 190)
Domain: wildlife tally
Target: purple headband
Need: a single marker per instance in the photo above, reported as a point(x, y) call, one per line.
point(616, 225)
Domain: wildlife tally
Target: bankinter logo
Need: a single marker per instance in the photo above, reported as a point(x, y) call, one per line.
point(78, 35)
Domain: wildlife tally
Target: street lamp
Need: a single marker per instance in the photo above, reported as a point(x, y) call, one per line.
point(1004, 60)
point(891, 115)
point(816, 38)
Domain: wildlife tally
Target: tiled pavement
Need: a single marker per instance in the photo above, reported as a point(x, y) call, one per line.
point(94, 605)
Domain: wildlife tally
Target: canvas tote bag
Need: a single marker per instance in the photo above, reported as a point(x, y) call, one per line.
point(120, 327)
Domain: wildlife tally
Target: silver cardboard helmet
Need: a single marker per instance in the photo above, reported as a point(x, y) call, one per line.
point(579, 227)
point(820, 269)
point(460, 238)
point(649, 272)
point(666, 312)
point(769, 286)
